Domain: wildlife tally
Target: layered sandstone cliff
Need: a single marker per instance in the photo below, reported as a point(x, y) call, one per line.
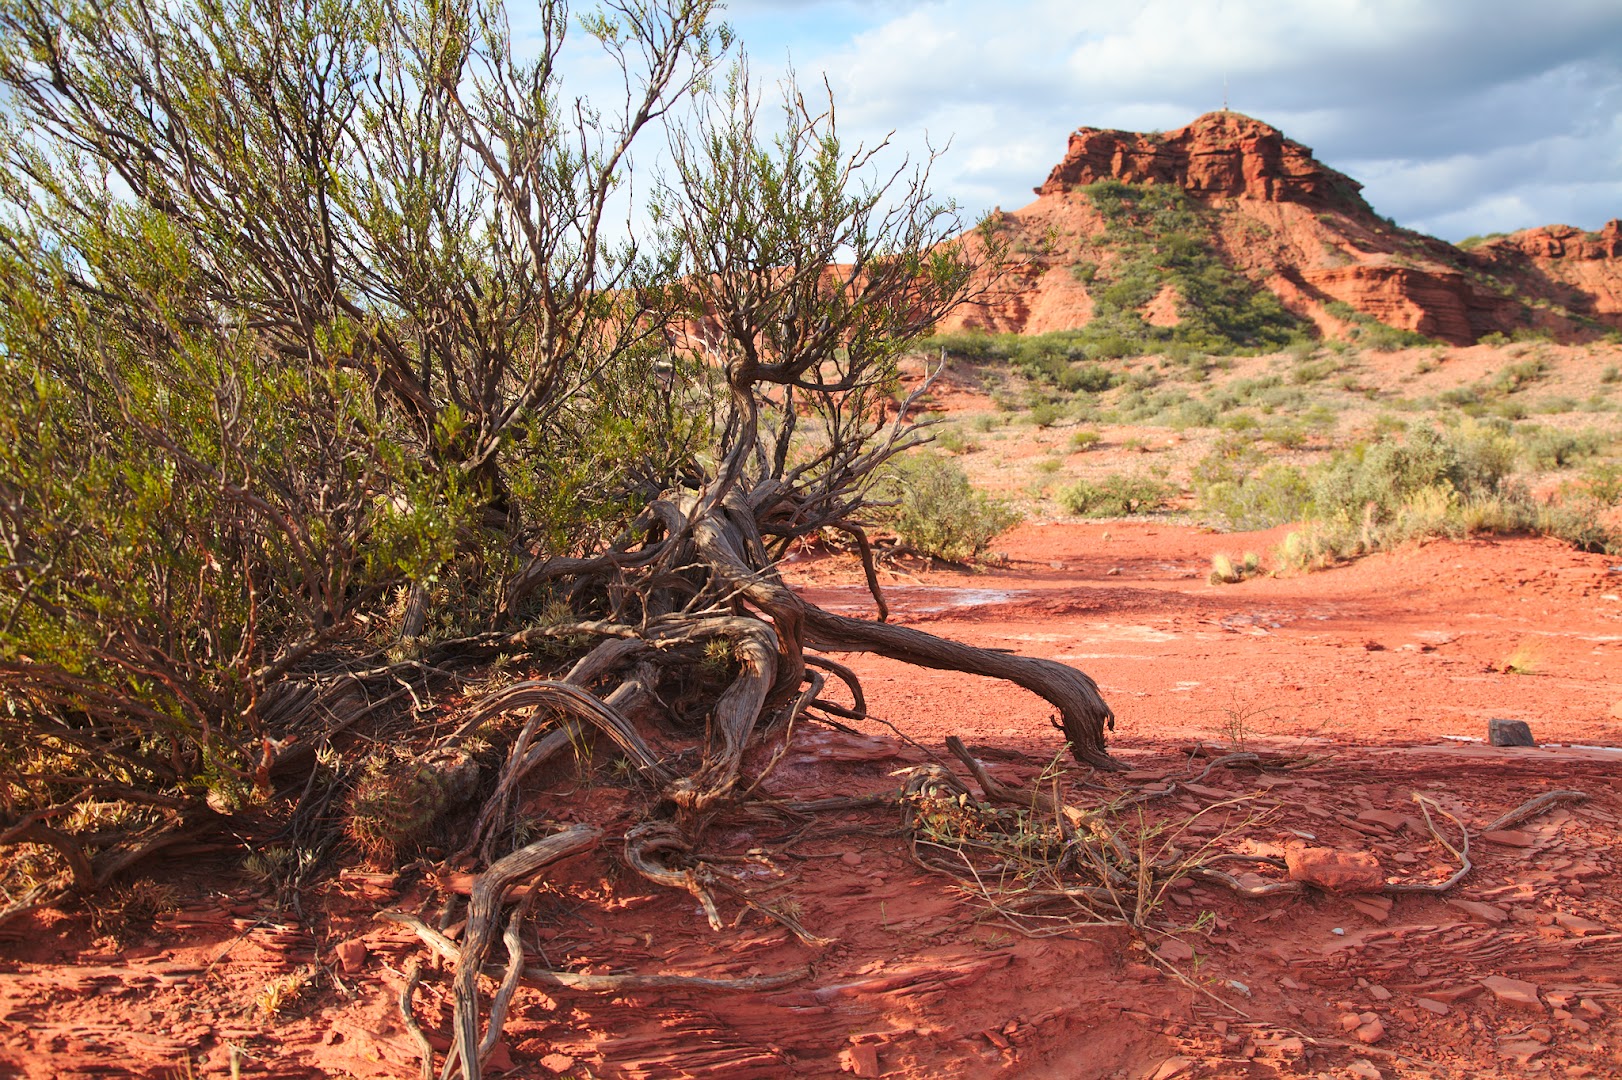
point(1222, 154)
point(1269, 210)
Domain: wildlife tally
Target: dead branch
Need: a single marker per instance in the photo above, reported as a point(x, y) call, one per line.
point(1533, 807)
point(1082, 711)
point(1242, 758)
point(653, 846)
point(1249, 892)
point(424, 1048)
point(484, 908)
point(1461, 853)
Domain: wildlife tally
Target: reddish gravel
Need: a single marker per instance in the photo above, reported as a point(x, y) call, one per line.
point(1386, 671)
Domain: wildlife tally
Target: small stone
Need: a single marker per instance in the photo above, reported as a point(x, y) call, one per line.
point(1588, 1007)
point(851, 858)
point(351, 955)
point(1457, 993)
point(557, 1063)
point(861, 1059)
point(1350, 1021)
point(1370, 1033)
point(1576, 1024)
point(1174, 951)
point(1379, 993)
point(1510, 837)
point(1292, 1047)
point(1513, 991)
point(1337, 871)
point(1491, 914)
point(1539, 1033)
point(1502, 732)
point(1431, 1005)
point(1290, 984)
point(1365, 1069)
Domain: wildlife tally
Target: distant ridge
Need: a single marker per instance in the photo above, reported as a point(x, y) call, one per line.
point(1122, 207)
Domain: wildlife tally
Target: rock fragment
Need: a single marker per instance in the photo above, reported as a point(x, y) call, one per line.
point(1371, 1032)
point(1501, 732)
point(1335, 870)
point(351, 955)
point(1513, 991)
point(1491, 914)
point(861, 1059)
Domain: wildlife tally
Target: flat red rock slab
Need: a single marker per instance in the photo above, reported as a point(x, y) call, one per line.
point(1335, 870)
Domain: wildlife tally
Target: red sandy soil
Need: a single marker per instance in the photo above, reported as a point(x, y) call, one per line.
point(1387, 670)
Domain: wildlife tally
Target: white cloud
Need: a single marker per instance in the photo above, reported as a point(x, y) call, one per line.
point(1455, 113)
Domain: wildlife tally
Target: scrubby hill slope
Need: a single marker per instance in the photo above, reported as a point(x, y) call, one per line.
point(1227, 227)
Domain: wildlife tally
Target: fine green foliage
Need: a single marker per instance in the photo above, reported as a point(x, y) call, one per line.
point(1160, 239)
point(292, 324)
point(322, 350)
point(1237, 483)
point(1371, 333)
point(936, 512)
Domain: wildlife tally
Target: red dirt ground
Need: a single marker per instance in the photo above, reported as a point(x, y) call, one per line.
point(1387, 669)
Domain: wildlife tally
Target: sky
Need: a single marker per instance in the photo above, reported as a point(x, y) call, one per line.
point(1460, 117)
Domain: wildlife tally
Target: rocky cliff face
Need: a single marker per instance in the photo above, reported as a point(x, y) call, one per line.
point(1268, 210)
point(1222, 154)
point(1576, 270)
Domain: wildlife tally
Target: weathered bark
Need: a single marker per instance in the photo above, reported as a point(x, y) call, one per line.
point(484, 912)
point(1083, 714)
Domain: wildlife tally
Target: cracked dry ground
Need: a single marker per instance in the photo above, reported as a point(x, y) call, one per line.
point(1378, 673)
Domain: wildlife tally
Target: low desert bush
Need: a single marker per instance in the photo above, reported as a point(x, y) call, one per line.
point(1116, 495)
point(1432, 483)
point(1225, 571)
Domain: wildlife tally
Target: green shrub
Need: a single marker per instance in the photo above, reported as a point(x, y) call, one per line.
point(1580, 523)
point(1519, 375)
point(1117, 495)
point(1312, 371)
point(952, 440)
point(936, 512)
point(1279, 493)
point(1603, 483)
point(1545, 448)
point(1046, 414)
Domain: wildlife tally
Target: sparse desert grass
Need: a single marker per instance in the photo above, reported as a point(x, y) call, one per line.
point(1300, 432)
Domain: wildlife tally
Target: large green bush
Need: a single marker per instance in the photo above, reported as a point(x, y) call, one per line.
point(936, 511)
